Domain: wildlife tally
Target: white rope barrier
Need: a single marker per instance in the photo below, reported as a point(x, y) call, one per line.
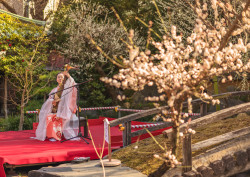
point(190, 114)
point(97, 108)
point(136, 110)
point(145, 125)
point(117, 109)
point(130, 110)
point(31, 112)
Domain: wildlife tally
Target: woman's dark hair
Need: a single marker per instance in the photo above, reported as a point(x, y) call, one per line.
point(60, 73)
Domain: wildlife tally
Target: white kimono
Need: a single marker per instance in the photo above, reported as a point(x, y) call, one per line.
point(65, 110)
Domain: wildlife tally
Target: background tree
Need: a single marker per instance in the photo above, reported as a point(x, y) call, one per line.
point(181, 69)
point(130, 9)
point(24, 60)
point(74, 27)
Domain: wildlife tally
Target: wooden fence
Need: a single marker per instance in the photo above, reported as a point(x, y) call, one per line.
point(219, 115)
point(126, 120)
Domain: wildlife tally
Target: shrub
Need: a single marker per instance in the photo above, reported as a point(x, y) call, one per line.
point(12, 123)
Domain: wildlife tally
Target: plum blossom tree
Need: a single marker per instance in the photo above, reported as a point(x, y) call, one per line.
point(181, 69)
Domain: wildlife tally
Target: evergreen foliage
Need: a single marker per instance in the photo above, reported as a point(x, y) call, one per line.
point(75, 25)
point(23, 60)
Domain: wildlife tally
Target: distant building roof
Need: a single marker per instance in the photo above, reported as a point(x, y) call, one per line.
point(37, 22)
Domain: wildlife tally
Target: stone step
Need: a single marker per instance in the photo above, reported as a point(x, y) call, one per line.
point(88, 169)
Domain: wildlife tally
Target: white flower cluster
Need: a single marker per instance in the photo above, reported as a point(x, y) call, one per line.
point(169, 158)
point(188, 131)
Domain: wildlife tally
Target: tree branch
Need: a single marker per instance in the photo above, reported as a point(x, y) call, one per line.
point(11, 9)
point(103, 53)
point(204, 21)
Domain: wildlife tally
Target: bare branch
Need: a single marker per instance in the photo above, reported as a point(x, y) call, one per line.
point(204, 21)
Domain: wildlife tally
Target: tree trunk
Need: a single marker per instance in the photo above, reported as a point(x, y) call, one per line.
point(8, 6)
point(22, 113)
point(216, 90)
point(187, 153)
point(5, 98)
point(176, 129)
point(175, 140)
point(21, 118)
point(44, 97)
point(111, 91)
point(40, 5)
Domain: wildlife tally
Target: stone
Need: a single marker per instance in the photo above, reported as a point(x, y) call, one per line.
point(241, 158)
point(242, 115)
point(190, 174)
point(56, 169)
point(88, 169)
point(35, 173)
point(218, 167)
point(112, 163)
point(199, 174)
point(229, 162)
point(205, 171)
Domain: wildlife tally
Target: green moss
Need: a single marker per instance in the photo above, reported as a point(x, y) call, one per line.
point(142, 159)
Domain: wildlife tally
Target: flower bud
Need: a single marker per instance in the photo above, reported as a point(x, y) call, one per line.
point(230, 77)
point(156, 156)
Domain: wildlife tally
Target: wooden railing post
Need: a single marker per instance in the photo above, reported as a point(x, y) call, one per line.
point(187, 153)
point(85, 125)
point(37, 115)
point(127, 134)
point(203, 109)
point(119, 114)
point(124, 135)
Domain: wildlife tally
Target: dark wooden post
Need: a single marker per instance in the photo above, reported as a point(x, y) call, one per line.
point(86, 130)
point(37, 115)
point(125, 135)
point(203, 109)
point(129, 132)
point(119, 114)
point(187, 153)
point(85, 125)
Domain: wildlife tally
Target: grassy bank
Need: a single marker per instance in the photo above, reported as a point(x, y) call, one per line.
point(139, 155)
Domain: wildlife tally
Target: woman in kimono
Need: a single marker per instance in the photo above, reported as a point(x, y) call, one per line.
point(57, 115)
